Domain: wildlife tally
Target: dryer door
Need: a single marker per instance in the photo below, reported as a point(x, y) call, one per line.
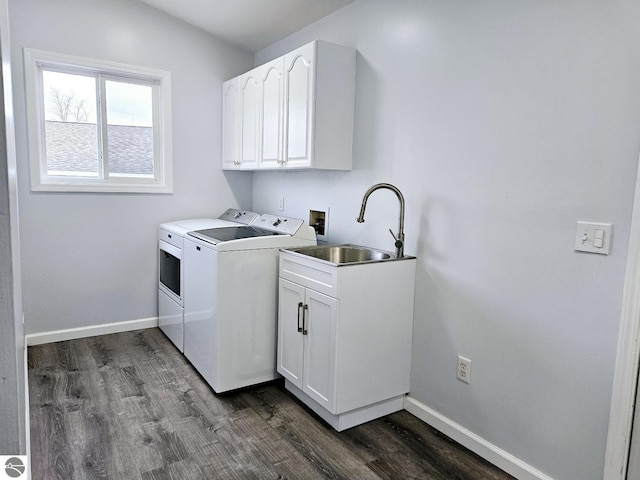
point(170, 265)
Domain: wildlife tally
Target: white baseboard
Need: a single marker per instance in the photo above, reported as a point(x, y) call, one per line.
point(473, 442)
point(83, 332)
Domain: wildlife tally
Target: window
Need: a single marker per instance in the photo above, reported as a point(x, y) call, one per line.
point(97, 126)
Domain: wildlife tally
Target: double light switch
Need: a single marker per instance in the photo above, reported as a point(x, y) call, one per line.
point(593, 238)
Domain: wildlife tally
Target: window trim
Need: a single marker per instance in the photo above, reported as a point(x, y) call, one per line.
point(162, 182)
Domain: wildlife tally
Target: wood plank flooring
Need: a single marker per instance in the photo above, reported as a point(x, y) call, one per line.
point(129, 406)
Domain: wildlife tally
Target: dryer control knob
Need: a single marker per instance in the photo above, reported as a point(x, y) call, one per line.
point(237, 215)
point(277, 222)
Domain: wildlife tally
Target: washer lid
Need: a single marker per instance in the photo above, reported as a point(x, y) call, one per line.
point(227, 234)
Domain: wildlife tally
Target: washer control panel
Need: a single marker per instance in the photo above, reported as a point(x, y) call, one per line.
point(278, 224)
point(244, 217)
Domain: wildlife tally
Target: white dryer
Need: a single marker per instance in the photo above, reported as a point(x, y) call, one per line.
point(230, 305)
point(171, 267)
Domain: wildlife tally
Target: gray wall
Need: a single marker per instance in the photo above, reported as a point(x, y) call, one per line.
point(90, 259)
point(503, 123)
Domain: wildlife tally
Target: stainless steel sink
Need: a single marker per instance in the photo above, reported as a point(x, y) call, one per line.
point(345, 254)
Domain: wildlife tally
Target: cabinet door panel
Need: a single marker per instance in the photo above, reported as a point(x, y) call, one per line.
point(229, 124)
point(249, 121)
point(272, 114)
point(299, 106)
point(319, 353)
point(290, 340)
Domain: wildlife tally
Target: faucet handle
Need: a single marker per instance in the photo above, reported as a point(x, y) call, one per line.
point(399, 241)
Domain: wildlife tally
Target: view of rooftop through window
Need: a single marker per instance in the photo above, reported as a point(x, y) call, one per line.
point(74, 137)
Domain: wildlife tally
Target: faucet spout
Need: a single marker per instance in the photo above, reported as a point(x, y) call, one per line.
point(399, 238)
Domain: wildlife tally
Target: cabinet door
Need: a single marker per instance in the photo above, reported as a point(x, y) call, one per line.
point(249, 117)
point(320, 349)
point(230, 136)
point(290, 339)
point(299, 106)
point(271, 76)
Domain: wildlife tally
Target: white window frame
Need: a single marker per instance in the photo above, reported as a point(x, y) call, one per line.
point(162, 182)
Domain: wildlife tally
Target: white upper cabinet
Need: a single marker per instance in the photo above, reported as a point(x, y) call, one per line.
point(295, 112)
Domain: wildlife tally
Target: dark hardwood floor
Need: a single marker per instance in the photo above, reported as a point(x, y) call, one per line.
point(129, 406)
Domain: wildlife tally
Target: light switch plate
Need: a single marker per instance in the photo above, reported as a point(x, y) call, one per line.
point(590, 235)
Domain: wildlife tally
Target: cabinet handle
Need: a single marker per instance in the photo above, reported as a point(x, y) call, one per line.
point(304, 319)
point(299, 308)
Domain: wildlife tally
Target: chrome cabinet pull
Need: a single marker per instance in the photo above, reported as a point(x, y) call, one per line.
point(304, 320)
point(299, 308)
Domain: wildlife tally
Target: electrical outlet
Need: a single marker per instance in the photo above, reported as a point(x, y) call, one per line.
point(464, 369)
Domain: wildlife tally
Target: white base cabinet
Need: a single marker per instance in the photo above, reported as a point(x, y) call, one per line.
point(295, 112)
point(344, 336)
point(307, 327)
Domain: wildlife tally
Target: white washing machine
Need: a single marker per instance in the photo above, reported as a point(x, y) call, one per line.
point(171, 267)
point(230, 304)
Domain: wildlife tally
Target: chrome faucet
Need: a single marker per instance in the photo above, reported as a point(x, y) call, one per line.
point(400, 237)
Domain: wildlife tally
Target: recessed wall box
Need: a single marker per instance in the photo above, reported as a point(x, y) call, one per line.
point(318, 219)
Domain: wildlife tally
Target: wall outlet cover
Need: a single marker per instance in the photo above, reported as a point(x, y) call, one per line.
point(464, 369)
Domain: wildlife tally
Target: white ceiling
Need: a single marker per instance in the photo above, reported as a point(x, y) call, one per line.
point(251, 24)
